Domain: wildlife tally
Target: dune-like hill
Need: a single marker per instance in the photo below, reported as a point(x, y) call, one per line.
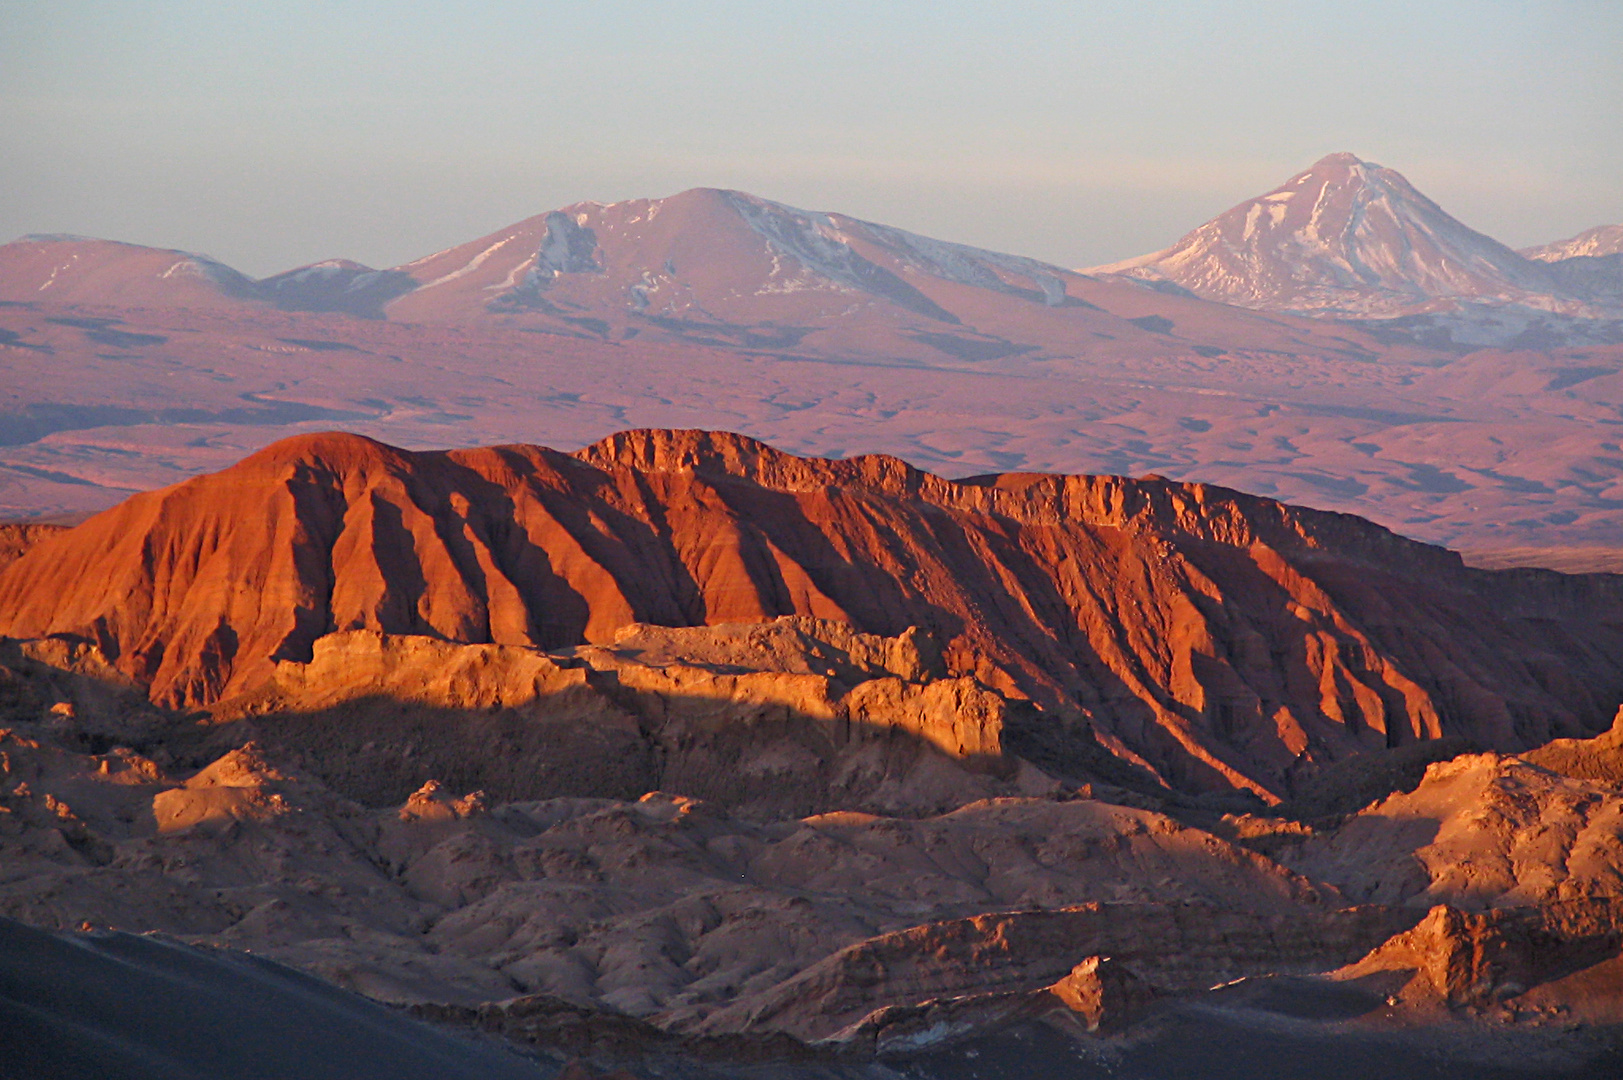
point(1214, 640)
point(60, 268)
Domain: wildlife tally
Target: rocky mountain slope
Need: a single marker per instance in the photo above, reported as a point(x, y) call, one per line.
point(1207, 639)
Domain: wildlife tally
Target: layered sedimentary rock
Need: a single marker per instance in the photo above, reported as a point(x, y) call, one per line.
point(1178, 946)
point(815, 721)
point(664, 926)
point(1217, 640)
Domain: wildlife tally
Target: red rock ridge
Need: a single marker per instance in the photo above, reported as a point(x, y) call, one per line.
point(1226, 640)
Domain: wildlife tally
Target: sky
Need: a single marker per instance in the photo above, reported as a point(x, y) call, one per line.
point(270, 135)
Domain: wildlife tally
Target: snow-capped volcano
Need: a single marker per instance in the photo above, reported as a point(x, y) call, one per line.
point(1348, 237)
point(711, 267)
point(726, 267)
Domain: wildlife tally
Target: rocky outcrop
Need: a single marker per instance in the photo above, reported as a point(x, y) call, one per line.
point(16, 537)
point(1177, 946)
point(820, 723)
point(1480, 831)
point(1099, 996)
point(1222, 641)
point(1103, 994)
point(665, 926)
point(1599, 759)
point(1462, 959)
point(663, 908)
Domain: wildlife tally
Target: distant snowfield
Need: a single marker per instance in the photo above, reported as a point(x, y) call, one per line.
point(1489, 450)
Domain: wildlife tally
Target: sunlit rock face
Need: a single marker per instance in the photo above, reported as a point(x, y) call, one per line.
point(1209, 640)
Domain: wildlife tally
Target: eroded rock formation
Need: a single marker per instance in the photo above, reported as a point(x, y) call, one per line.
point(1480, 831)
point(1219, 641)
point(666, 927)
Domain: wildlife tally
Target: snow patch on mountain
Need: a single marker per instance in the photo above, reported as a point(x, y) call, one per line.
point(965, 265)
point(471, 265)
point(1600, 241)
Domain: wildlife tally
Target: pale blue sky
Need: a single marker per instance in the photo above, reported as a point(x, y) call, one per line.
point(271, 135)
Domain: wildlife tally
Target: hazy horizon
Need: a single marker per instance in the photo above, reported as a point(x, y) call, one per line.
point(274, 137)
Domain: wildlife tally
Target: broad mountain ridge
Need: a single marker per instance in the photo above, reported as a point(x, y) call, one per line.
point(1598, 242)
point(704, 266)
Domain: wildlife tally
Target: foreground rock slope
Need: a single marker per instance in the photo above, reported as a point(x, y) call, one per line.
point(1208, 640)
point(668, 935)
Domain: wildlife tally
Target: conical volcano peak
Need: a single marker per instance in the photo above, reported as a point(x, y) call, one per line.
point(1340, 165)
point(1350, 176)
point(1345, 236)
point(1344, 162)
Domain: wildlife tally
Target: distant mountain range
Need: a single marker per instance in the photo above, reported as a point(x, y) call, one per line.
point(1340, 342)
point(1344, 239)
point(712, 267)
